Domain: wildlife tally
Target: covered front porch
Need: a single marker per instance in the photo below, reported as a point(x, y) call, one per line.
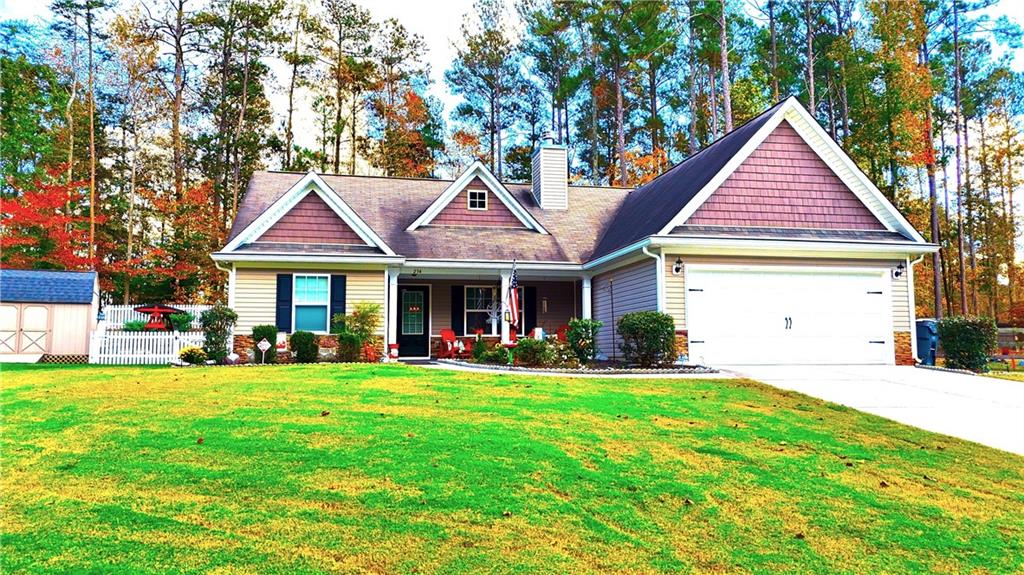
point(423, 302)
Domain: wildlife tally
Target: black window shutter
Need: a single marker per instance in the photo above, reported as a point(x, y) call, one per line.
point(283, 316)
point(529, 308)
point(458, 307)
point(338, 283)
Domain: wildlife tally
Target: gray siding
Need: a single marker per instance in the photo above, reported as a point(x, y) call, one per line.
point(630, 288)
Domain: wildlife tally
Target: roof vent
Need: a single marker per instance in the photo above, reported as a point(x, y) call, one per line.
point(551, 175)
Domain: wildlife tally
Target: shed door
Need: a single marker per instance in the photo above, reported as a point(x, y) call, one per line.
point(35, 323)
point(789, 316)
point(9, 313)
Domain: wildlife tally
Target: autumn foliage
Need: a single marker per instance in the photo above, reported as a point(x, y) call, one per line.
point(42, 226)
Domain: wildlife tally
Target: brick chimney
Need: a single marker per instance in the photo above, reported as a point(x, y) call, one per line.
point(551, 175)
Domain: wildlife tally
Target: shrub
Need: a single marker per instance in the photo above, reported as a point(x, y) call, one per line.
point(259, 333)
point(303, 345)
point(493, 353)
point(564, 355)
point(967, 341)
point(192, 354)
point(582, 336)
point(648, 338)
point(364, 321)
point(181, 321)
point(479, 349)
point(134, 325)
point(217, 323)
point(534, 353)
point(349, 346)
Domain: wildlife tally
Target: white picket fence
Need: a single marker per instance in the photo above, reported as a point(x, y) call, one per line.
point(135, 347)
point(116, 315)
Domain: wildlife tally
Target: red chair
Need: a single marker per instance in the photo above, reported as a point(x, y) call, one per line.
point(448, 348)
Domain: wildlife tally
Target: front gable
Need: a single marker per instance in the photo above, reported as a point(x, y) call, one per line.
point(802, 178)
point(492, 212)
point(309, 212)
point(784, 183)
point(312, 221)
point(500, 208)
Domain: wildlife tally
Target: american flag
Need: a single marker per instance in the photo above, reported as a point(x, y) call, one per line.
point(513, 296)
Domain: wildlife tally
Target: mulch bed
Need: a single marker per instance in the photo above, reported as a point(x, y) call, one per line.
point(609, 369)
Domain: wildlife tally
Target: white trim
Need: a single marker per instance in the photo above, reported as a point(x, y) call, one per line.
point(794, 245)
point(469, 200)
point(489, 265)
point(391, 306)
point(310, 183)
point(586, 301)
point(492, 183)
point(327, 305)
point(303, 259)
point(231, 287)
point(808, 129)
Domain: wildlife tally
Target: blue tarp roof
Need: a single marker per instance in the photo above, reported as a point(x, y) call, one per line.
point(45, 286)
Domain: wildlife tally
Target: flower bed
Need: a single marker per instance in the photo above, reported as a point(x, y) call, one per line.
point(686, 369)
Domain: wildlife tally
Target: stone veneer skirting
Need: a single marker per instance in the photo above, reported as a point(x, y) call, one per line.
point(904, 349)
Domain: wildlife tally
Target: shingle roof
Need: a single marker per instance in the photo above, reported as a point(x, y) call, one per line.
point(652, 206)
point(44, 286)
point(389, 205)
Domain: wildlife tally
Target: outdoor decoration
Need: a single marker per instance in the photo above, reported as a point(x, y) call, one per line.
point(158, 316)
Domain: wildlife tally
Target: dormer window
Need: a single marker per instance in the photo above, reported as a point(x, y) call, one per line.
point(477, 199)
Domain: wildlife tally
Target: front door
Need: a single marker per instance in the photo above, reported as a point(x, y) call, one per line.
point(413, 321)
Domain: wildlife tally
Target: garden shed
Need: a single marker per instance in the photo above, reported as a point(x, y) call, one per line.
point(46, 313)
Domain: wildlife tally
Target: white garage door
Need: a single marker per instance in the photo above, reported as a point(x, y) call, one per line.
point(765, 315)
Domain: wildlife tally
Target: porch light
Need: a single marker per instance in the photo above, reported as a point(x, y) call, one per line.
point(677, 268)
point(508, 316)
point(898, 272)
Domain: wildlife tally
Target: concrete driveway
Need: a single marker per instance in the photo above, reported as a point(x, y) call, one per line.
point(977, 408)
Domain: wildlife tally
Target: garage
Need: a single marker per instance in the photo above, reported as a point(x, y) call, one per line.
point(763, 315)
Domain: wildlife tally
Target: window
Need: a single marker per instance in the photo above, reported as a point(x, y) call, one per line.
point(479, 300)
point(412, 312)
point(477, 199)
point(311, 302)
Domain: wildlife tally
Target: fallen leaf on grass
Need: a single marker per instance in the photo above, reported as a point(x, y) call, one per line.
point(324, 413)
point(883, 484)
point(199, 441)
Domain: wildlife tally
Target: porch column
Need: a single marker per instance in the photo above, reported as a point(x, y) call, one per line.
point(506, 278)
point(586, 301)
point(392, 308)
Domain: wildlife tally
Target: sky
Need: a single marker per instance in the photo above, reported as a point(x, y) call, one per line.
point(437, 21)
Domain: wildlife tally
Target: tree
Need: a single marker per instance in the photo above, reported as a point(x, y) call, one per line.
point(37, 233)
point(347, 33)
point(300, 59)
point(32, 105)
point(486, 73)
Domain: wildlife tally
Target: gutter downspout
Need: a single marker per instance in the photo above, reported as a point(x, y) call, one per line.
point(659, 260)
point(913, 304)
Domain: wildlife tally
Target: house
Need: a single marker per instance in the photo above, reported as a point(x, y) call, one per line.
point(47, 313)
point(768, 246)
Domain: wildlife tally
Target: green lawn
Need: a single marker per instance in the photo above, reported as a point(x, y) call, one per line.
point(421, 471)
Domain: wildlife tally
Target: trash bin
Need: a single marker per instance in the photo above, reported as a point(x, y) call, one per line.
point(927, 340)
